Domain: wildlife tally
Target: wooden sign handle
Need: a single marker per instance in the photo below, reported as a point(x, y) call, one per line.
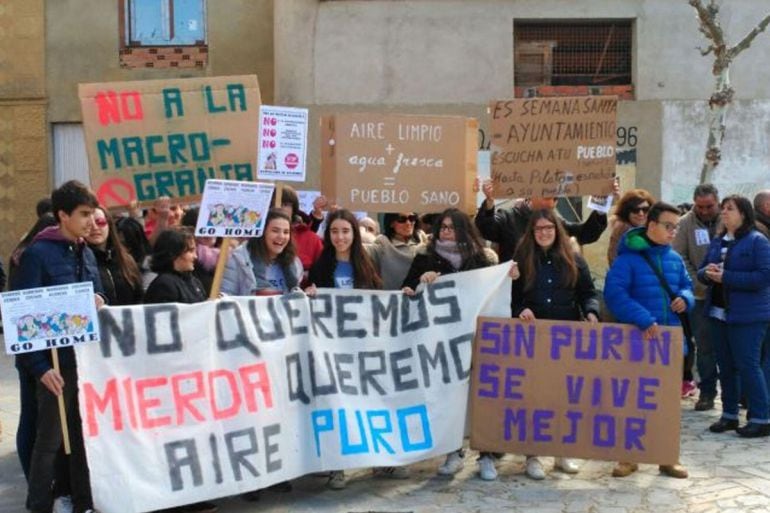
point(60, 399)
point(219, 271)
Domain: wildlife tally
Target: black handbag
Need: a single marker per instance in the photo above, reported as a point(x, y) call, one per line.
point(684, 319)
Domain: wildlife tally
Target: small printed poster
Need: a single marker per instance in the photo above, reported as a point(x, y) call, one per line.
point(233, 209)
point(48, 317)
point(600, 203)
point(282, 143)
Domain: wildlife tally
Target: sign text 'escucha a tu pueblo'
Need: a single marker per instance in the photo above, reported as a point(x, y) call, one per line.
point(548, 147)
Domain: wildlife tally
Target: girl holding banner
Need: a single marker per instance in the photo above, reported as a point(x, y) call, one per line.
point(555, 284)
point(343, 264)
point(265, 265)
point(456, 245)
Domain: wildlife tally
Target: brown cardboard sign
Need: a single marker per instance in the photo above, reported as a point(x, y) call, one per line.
point(154, 138)
point(548, 147)
point(575, 389)
point(396, 163)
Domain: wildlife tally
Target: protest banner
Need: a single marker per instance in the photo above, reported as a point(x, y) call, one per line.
point(152, 138)
point(575, 389)
point(548, 147)
point(183, 403)
point(282, 143)
point(233, 209)
point(397, 163)
point(49, 317)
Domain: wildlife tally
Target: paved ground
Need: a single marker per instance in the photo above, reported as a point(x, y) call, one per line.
point(727, 475)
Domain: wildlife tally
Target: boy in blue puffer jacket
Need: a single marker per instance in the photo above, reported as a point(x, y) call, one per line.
point(634, 294)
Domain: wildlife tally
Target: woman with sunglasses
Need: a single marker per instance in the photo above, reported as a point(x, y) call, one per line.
point(555, 283)
point(630, 212)
point(456, 245)
point(394, 250)
point(343, 264)
point(121, 278)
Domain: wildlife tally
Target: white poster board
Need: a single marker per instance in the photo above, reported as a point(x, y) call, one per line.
point(282, 143)
point(233, 209)
point(48, 317)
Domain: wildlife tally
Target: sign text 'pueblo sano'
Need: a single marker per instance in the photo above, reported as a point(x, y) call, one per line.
point(154, 138)
point(547, 147)
point(395, 163)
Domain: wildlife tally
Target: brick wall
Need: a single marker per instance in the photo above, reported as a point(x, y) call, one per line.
point(164, 57)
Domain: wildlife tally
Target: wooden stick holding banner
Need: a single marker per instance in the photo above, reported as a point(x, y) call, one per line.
point(219, 270)
point(60, 399)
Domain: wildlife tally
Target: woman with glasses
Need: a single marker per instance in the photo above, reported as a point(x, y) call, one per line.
point(394, 250)
point(121, 278)
point(737, 271)
point(456, 245)
point(555, 283)
point(630, 212)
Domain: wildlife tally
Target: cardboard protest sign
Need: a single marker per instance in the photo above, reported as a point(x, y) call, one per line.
point(154, 138)
point(548, 147)
point(49, 317)
point(183, 403)
point(233, 209)
point(560, 388)
point(282, 143)
point(396, 163)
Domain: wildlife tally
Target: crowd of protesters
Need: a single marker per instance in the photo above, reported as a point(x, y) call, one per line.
point(707, 270)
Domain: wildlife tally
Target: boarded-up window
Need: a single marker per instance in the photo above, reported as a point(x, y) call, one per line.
point(572, 53)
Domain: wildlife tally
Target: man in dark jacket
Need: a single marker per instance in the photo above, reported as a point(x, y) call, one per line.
point(762, 211)
point(634, 294)
point(505, 227)
point(58, 255)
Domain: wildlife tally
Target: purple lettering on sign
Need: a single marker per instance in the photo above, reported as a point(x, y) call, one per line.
point(541, 424)
point(511, 383)
point(583, 352)
point(574, 388)
point(514, 419)
point(619, 391)
point(574, 417)
point(488, 376)
point(561, 336)
point(635, 430)
point(604, 431)
point(645, 393)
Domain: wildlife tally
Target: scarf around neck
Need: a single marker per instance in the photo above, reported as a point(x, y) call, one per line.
point(449, 250)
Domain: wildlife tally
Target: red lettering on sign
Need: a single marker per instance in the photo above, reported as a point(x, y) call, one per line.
point(183, 400)
point(232, 392)
point(261, 383)
point(93, 401)
point(144, 404)
point(114, 108)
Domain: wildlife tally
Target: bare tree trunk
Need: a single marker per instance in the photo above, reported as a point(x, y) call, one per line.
point(718, 105)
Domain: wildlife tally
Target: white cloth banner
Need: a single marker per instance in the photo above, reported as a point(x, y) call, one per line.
point(182, 403)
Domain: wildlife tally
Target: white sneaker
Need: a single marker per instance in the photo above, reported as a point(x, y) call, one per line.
point(392, 472)
point(567, 465)
point(62, 504)
point(487, 469)
point(452, 465)
point(337, 480)
point(534, 468)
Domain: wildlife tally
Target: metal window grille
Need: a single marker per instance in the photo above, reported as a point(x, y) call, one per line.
point(572, 53)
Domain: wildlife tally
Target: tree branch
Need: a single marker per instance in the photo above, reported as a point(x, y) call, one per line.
point(709, 25)
point(746, 41)
point(705, 51)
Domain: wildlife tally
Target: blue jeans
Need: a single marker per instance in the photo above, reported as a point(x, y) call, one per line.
point(705, 357)
point(25, 434)
point(739, 355)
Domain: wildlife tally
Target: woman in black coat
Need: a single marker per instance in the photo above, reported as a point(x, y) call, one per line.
point(554, 283)
point(173, 258)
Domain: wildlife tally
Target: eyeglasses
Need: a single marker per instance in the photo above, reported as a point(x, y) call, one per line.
point(640, 210)
point(670, 227)
point(410, 218)
point(101, 222)
point(545, 228)
point(447, 228)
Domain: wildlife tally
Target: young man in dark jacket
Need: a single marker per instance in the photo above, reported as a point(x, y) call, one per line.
point(635, 295)
point(58, 255)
